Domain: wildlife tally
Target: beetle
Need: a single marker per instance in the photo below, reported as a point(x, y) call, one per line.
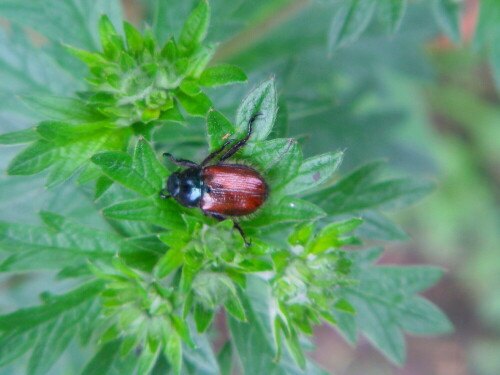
point(221, 190)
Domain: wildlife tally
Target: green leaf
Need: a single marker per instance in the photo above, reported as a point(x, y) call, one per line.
point(302, 234)
point(222, 75)
point(103, 359)
point(89, 58)
point(28, 70)
point(261, 100)
point(360, 191)
point(424, 318)
point(47, 328)
point(61, 243)
point(33, 159)
point(89, 173)
point(106, 29)
point(448, 14)
point(165, 214)
point(63, 132)
point(225, 359)
point(314, 172)
point(234, 307)
point(173, 259)
point(143, 174)
point(292, 342)
point(102, 185)
point(65, 159)
point(495, 63)
point(278, 160)
point(61, 108)
point(341, 227)
point(344, 305)
point(268, 156)
point(75, 154)
point(47, 351)
point(377, 226)
point(286, 210)
point(350, 20)
point(147, 360)
point(199, 60)
point(19, 137)
point(488, 28)
point(107, 32)
point(346, 325)
point(202, 357)
point(107, 360)
point(173, 114)
point(73, 21)
point(391, 12)
point(219, 129)
point(197, 105)
point(133, 38)
point(196, 26)
point(190, 87)
point(386, 304)
point(182, 328)
point(203, 317)
point(170, 51)
point(329, 236)
point(173, 351)
point(253, 340)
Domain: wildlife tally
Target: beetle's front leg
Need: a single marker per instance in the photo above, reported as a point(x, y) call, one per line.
point(210, 157)
point(238, 145)
point(164, 194)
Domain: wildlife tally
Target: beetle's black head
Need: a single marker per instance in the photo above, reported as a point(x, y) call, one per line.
point(186, 186)
point(173, 184)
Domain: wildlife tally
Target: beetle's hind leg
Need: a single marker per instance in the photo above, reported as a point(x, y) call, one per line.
point(238, 145)
point(181, 162)
point(235, 225)
point(239, 229)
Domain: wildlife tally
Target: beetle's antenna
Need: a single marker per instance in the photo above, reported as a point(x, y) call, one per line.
point(181, 162)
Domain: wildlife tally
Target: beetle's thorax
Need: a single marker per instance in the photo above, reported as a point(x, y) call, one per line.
point(186, 186)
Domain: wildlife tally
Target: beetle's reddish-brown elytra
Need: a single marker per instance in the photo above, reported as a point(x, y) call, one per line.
point(232, 190)
point(220, 190)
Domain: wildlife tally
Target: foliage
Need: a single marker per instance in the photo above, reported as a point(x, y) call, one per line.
point(134, 87)
point(150, 282)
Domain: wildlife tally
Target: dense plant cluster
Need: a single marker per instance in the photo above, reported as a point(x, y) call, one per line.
point(150, 288)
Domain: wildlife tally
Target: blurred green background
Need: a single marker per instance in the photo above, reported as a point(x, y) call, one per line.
point(423, 102)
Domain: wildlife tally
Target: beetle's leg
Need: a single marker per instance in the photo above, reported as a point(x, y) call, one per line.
point(164, 195)
point(181, 162)
point(238, 145)
point(235, 225)
point(239, 229)
point(209, 158)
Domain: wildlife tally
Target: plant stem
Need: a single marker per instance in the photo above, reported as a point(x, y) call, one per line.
point(256, 32)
